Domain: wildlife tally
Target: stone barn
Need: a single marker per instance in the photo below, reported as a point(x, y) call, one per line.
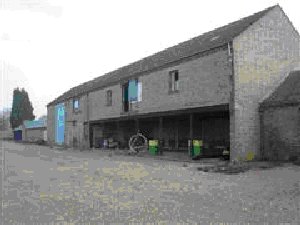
point(280, 121)
point(207, 88)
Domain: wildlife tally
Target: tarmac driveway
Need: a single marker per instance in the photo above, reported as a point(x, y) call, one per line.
point(47, 186)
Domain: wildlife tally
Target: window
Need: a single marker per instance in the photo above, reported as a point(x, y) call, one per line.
point(132, 93)
point(174, 81)
point(109, 98)
point(75, 104)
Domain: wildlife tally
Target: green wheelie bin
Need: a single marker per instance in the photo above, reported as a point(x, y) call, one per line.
point(153, 147)
point(196, 148)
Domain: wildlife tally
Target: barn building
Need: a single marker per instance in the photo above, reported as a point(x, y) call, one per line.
point(207, 88)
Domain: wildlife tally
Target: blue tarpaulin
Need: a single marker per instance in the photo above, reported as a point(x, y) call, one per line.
point(133, 90)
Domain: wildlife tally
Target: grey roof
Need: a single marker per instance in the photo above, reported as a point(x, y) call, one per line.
point(213, 39)
point(287, 93)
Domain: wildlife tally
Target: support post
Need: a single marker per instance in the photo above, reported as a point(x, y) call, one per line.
point(191, 126)
point(160, 137)
point(137, 124)
point(119, 133)
point(90, 136)
point(191, 133)
point(177, 134)
point(202, 129)
point(262, 135)
point(87, 137)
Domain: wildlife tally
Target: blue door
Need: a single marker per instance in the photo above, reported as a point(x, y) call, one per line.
point(60, 124)
point(18, 135)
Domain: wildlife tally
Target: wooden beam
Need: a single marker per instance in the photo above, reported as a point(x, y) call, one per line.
point(118, 133)
point(160, 127)
point(202, 129)
point(137, 124)
point(204, 110)
point(177, 133)
point(160, 135)
point(191, 126)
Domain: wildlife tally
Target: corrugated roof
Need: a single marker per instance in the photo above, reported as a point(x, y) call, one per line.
point(202, 43)
point(288, 92)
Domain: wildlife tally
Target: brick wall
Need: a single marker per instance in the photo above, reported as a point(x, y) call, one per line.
point(264, 54)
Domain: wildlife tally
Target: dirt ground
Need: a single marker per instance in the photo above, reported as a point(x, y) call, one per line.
point(40, 185)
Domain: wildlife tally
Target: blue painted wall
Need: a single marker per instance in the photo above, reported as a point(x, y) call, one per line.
point(60, 124)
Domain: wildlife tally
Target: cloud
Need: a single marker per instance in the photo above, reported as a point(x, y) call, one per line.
point(5, 37)
point(32, 5)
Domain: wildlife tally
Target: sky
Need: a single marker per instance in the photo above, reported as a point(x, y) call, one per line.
point(49, 46)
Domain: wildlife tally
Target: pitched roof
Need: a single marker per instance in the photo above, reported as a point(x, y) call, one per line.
point(210, 40)
point(288, 92)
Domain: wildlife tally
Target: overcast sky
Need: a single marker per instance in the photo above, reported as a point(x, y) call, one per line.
point(49, 46)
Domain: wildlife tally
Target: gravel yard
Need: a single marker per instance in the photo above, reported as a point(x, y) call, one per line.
point(47, 186)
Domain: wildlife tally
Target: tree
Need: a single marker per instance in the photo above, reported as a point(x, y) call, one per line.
point(21, 108)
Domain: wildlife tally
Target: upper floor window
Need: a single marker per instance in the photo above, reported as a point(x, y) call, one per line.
point(132, 93)
point(76, 104)
point(109, 97)
point(173, 81)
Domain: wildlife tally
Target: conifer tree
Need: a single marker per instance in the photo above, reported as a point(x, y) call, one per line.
point(21, 108)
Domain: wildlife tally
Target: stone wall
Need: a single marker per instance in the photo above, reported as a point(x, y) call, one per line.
point(203, 81)
point(281, 133)
point(264, 55)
